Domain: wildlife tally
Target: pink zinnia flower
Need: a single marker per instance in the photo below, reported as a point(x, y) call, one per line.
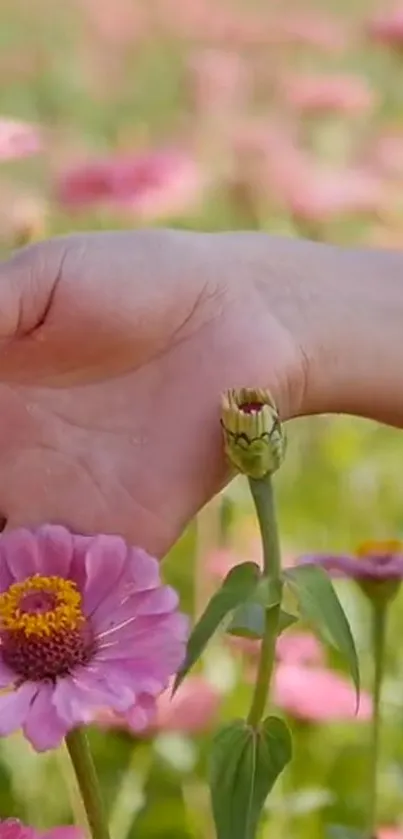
point(152, 185)
point(13, 829)
point(374, 561)
point(18, 139)
point(84, 624)
point(317, 694)
point(345, 94)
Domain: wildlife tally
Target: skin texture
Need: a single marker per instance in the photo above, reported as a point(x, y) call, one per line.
point(115, 347)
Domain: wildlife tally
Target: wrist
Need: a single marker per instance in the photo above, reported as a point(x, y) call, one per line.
point(344, 310)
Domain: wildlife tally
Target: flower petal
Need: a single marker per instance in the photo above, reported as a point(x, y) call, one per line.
point(105, 561)
point(6, 577)
point(7, 676)
point(344, 565)
point(154, 603)
point(14, 707)
point(64, 833)
point(55, 546)
point(142, 714)
point(43, 728)
point(76, 697)
point(144, 569)
point(21, 550)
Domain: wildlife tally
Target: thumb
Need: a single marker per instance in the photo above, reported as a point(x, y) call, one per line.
point(28, 280)
point(27, 283)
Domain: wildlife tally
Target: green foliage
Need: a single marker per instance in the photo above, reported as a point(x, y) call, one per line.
point(249, 621)
point(236, 589)
point(320, 606)
point(245, 763)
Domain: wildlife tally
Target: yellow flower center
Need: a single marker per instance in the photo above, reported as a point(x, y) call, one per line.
point(43, 631)
point(41, 606)
point(374, 549)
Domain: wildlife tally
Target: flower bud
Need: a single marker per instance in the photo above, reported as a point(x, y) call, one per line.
point(254, 437)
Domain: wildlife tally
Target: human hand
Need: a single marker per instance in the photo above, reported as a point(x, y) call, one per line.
point(114, 349)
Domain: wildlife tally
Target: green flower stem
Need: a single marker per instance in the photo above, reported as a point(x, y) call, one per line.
point(263, 496)
point(80, 755)
point(379, 615)
point(265, 668)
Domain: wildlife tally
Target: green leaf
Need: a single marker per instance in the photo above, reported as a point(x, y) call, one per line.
point(248, 621)
point(236, 588)
point(320, 605)
point(245, 763)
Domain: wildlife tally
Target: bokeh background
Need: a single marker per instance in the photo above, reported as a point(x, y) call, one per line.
point(279, 116)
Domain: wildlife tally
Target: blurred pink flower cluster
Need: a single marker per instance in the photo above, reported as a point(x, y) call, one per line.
point(151, 185)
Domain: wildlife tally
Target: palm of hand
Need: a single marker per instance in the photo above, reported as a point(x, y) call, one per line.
point(119, 429)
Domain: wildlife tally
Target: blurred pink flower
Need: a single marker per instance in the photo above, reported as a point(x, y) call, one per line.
point(373, 561)
point(192, 709)
point(387, 27)
point(386, 154)
point(118, 24)
point(299, 648)
point(219, 82)
point(389, 833)
point(347, 94)
point(14, 829)
point(151, 185)
point(313, 29)
point(219, 562)
point(316, 194)
point(267, 158)
point(317, 694)
point(84, 624)
point(18, 139)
